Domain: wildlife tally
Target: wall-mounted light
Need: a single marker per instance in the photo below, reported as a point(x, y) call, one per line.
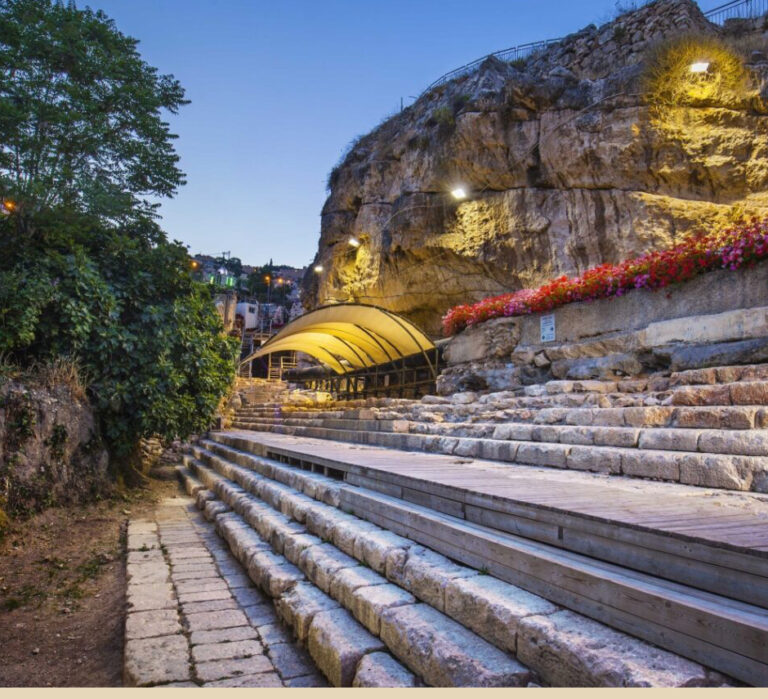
point(459, 193)
point(699, 67)
point(354, 242)
point(318, 269)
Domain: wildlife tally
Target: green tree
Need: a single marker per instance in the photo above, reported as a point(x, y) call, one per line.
point(85, 270)
point(80, 116)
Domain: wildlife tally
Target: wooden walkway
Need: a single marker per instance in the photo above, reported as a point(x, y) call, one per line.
point(714, 540)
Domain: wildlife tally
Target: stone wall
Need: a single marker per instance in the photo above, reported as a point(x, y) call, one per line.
point(50, 449)
point(565, 165)
point(716, 319)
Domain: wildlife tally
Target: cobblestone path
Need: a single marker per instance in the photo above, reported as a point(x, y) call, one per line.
point(194, 617)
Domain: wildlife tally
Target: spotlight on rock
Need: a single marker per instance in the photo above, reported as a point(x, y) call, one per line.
point(699, 67)
point(354, 242)
point(459, 193)
point(318, 269)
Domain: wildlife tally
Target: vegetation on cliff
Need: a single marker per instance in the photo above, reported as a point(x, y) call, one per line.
point(86, 272)
point(741, 245)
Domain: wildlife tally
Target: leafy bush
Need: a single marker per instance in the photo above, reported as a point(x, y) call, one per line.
point(741, 245)
point(86, 273)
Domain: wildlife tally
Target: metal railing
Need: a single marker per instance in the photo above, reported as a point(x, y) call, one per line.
point(743, 9)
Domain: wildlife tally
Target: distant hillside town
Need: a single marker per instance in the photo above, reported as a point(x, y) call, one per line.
point(260, 298)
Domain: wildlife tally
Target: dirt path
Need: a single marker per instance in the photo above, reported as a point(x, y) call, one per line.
point(62, 593)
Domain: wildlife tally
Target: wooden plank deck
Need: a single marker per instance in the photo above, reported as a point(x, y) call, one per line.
point(735, 520)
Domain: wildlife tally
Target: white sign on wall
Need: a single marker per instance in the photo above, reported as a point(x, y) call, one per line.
point(548, 328)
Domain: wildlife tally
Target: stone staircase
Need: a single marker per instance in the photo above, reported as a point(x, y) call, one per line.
point(378, 609)
point(704, 427)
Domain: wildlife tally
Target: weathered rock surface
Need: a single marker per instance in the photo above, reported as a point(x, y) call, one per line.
point(565, 166)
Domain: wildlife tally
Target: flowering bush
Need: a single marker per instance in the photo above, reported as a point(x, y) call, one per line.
point(731, 248)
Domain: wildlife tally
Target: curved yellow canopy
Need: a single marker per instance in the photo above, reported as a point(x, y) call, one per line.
point(349, 336)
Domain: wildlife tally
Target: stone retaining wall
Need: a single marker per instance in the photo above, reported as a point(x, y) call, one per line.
point(718, 318)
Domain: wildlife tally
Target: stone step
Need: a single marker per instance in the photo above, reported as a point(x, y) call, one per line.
point(345, 611)
point(731, 635)
point(420, 634)
point(712, 417)
point(712, 470)
point(753, 443)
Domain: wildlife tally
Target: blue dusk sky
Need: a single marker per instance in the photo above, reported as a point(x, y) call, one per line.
point(278, 89)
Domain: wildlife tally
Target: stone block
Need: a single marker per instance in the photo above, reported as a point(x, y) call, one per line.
point(702, 395)
point(205, 621)
point(382, 670)
point(492, 608)
point(233, 667)
point(669, 439)
point(374, 548)
point(554, 455)
point(444, 653)
point(263, 679)
point(298, 606)
point(426, 574)
point(615, 436)
point(347, 580)
point(235, 633)
point(649, 464)
point(337, 643)
point(749, 393)
point(149, 661)
point(205, 652)
point(321, 563)
point(345, 534)
point(368, 604)
point(157, 622)
point(716, 471)
point(145, 596)
point(598, 459)
point(569, 650)
point(751, 443)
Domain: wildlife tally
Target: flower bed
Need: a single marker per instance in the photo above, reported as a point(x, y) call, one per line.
point(731, 248)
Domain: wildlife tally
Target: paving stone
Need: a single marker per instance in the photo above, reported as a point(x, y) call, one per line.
point(569, 650)
point(201, 573)
point(145, 573)
point(233, 667)
point(236, 580)
point(205, 585)
point(221, 651)
point(234, 633)
point(382, 670)
point(205, 596)
point(313, 680)
point(211, 606)
point(156, 622)
point(156, 660)
point(249, 596)
point(444, 653)
point(142, 542)
point(264, 679)
point(204, 621)
point(290, 660)
point(261, 614)
point(151, 556)
point(336, 643)
point(145, 596)
point(273, 634)
point(492, 608)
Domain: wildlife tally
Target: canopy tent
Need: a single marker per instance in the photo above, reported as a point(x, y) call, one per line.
point(349, 336)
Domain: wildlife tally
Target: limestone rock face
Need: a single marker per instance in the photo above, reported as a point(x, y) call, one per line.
point(565, 165)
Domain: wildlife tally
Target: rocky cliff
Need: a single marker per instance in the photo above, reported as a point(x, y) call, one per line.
point(566, 162)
